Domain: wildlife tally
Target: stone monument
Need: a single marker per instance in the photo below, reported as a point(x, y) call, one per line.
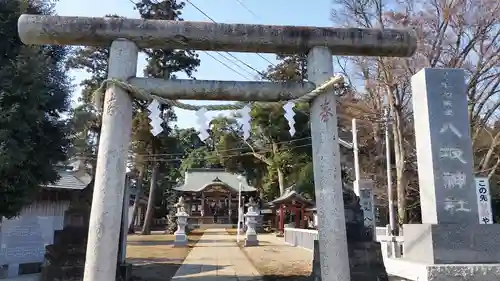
point(181, 239)
point(65, 258)
point(365, 255)
point(450, 234)
point(251, 222)
point(354, 217)
point(367, 202)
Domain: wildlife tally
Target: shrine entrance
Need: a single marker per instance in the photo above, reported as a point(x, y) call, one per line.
point(125, 37)
point(212, 196)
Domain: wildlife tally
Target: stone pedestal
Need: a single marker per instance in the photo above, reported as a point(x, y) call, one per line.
point(181, 239)
point(447, 272)
point(65, 259)
point(365, 255)
point(251, 234)
point(365, 262)
point(449, 252)
point(471, 272)
point(452, 243)
point(124, 272)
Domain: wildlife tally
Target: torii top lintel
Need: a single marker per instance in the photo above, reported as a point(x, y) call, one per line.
point(42, 29)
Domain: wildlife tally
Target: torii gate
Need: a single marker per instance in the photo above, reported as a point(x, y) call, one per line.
point(126, 36)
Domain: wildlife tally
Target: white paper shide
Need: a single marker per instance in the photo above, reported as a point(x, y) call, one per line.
point(202, 121)
point(246, 120)
point(155, 118)
point(289, 115)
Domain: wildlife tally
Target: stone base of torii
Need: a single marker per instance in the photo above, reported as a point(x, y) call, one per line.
point(126, 36)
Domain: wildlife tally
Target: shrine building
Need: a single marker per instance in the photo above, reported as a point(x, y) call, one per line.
point(211, 196)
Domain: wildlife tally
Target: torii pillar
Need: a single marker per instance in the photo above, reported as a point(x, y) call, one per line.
point(127, 36)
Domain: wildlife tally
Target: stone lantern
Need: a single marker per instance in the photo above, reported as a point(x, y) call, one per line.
point(181, 239)
point(251, 222)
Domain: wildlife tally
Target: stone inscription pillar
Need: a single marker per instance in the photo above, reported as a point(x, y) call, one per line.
point(327, 177)
point(444, 147)
point(450, 232)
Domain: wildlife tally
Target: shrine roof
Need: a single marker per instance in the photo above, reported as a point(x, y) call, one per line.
point(196, 180)
point(289, 196)
point(70, 179)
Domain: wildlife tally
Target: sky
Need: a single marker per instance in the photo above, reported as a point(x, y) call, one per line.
point(279, 12)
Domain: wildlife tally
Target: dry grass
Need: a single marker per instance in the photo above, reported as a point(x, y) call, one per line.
point(273, 267)
point(276, 261)
point(154, 257)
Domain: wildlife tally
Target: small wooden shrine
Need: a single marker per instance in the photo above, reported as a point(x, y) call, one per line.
point(211, 195)
point(294, 203)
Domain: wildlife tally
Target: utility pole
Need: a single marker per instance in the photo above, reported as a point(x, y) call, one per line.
point(363, 189)
point(354, 130)
point(238, 229)
point(390, 196)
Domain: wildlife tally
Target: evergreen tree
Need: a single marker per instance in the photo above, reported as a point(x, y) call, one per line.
point(285, 155)
point(34, 95)
point(85, 117)
point(162, 63)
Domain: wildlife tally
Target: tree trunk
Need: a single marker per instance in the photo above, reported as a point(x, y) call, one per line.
point(379, 169)
point(137, 198)
point(399, 155)
point(258, 186)
point(491, 152)
point(281, 181)
point(281, 176)
point(494, 169)
point(146, 228)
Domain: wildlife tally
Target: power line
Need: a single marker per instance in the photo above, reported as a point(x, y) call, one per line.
point(198, 158)
point(210, 18)
point(239, 66)
point(224, 64)
point(248, 9)
point(217, 151)
point(227, 66)
point(257, 17)
point(224, 150)
point(234, 149)
point(364, 124)
point(218, 157)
